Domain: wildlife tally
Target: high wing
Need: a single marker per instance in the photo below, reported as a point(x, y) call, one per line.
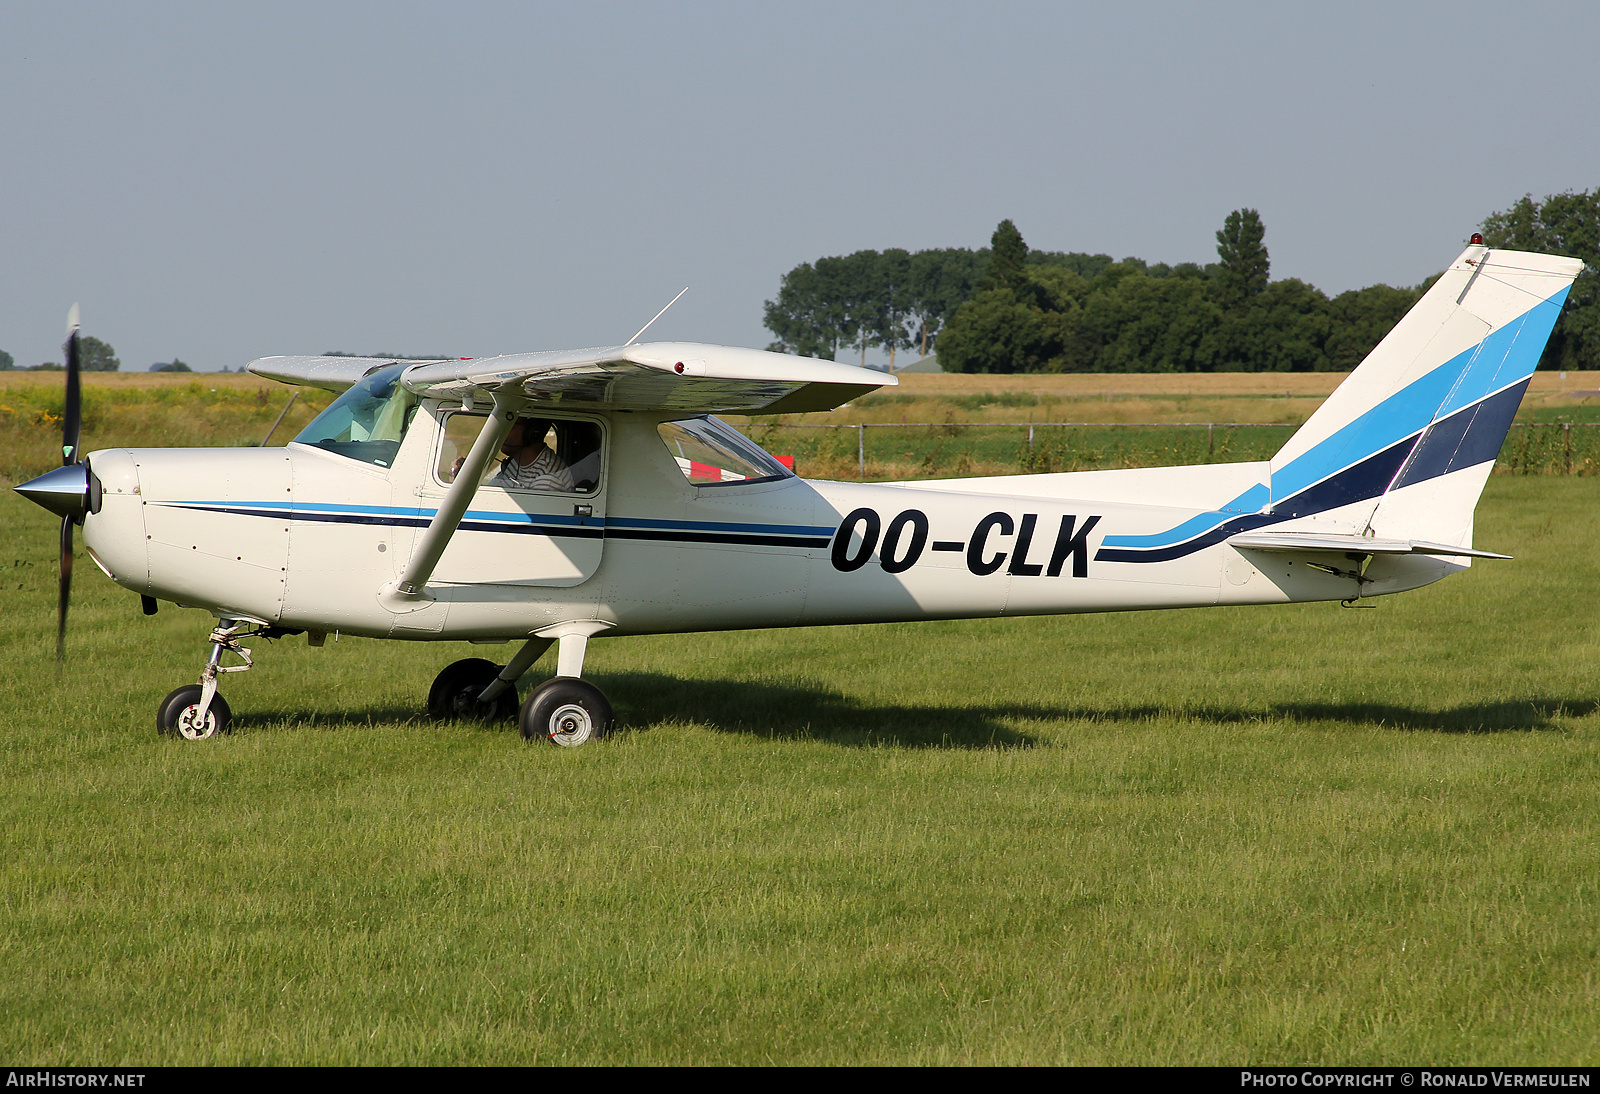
point(674, 376)
point(686, 376)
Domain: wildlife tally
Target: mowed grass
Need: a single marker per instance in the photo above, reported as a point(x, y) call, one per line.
point(1274, 835)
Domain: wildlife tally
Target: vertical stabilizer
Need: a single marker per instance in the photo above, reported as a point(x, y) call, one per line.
point(1403, 446)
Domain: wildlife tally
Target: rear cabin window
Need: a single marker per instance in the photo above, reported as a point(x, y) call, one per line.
point(541, 455)
point(712, 453)
point(368, 421)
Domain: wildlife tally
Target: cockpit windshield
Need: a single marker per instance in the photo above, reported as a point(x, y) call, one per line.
point(368, 421)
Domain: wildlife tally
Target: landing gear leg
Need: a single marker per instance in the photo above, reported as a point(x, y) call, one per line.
point(530, 652)
point(196, 712)
point(566, 710)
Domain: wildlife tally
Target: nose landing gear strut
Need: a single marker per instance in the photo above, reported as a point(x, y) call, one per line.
point(196, 712)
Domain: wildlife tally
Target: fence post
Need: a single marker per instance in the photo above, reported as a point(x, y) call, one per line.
point(1209, 449)
point(1566, 448)
point(861, 447)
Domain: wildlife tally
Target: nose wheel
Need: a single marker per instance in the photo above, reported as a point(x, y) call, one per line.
point(181, 714)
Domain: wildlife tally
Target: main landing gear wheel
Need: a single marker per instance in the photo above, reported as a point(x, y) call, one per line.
point(177, 715)
point(455, 693)
point(566, 711)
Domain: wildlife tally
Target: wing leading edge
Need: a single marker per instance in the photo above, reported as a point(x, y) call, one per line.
point(674, 376)
point(331, 373)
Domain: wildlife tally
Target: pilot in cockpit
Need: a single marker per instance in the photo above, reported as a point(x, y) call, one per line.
point(530, 464)
point(571, 466)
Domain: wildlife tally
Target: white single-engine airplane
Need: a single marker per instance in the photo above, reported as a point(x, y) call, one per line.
point(623, 507)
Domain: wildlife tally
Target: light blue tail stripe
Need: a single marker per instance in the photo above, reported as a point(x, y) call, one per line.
point(1252, 500)
point(1505, 357)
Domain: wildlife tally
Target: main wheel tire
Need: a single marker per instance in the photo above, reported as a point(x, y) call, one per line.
point(176, 715)
point(566, 711)
point(455, 693)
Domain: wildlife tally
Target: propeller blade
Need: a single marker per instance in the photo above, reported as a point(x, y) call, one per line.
point(72, 418)
point(71, 429)
point(64, 591)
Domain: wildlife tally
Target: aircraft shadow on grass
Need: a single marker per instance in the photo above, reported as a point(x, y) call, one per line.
point(803, 711)
point(1506, 716)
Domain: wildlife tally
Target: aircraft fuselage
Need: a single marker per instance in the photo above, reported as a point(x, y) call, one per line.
point(305, 539)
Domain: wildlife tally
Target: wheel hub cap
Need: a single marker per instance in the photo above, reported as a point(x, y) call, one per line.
point(570, 725)
point(190, 727)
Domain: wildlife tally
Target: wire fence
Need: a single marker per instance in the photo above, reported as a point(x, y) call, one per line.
point(1531, 448)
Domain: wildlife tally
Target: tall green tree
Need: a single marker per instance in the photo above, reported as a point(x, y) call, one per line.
point(940, 282)
point(892, 308)
point(1008, 259)
point(96, 356)
point(857, 283)
point(1242, 255)
point(1564, 224)
point(808, 315)
point(7, 362)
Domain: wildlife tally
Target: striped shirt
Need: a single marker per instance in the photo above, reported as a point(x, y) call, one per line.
point(544, 472)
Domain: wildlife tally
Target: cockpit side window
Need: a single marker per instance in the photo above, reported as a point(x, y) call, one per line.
point(368, 421)
point(710, 452)
point(541, 455)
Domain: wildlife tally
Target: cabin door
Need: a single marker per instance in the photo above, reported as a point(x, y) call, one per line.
point(538, 517)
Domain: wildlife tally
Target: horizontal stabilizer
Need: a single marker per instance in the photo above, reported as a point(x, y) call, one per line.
point(1292, 542)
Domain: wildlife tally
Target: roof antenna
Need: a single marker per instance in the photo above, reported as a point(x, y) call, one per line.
point(657, 315)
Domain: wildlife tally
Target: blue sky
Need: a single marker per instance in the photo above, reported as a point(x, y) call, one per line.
point(223, 182)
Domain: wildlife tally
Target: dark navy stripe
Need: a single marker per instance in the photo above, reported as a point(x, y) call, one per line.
point(1466, 438)
point(1358, 482)
point(530, 529)
point(1189, 547)
point(665, 536)
point(721, 526)
point(300, 514)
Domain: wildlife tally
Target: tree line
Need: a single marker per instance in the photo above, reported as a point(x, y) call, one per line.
point(1007, 308)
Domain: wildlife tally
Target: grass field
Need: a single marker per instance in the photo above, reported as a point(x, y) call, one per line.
point(1280, 835)
point(1299, 834)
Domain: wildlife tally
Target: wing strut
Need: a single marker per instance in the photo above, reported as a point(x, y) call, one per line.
point(407, 589)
